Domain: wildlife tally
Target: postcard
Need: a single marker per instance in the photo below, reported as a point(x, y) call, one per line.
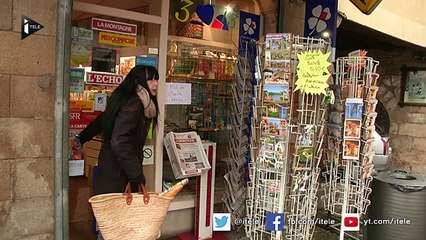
point(275, 111)
point(353, 108)
point(304, 157)
point(352, 128)
point(333, 143)
point(275, 93)
point(371, 106)
point(370, 119)
point(351, 149)
point(276, 77)
point(368, 146)
point(367, 158)
point(273, 126)
point(306, 135)
point(368, 132)
point(278, 41)
point(372, 93)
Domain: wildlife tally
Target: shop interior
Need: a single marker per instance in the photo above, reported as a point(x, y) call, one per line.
point(202, 56)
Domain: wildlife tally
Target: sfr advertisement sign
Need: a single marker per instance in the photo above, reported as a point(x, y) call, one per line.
point(104, 79)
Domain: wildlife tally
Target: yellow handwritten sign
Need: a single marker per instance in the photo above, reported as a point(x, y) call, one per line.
point(312, 72)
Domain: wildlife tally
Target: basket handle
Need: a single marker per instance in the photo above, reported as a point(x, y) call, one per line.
point(142, 190)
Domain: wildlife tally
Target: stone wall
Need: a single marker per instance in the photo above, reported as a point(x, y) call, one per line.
point(27, 91)
point(408, 124)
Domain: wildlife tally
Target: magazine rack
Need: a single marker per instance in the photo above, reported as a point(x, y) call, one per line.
point(291, 129)
point(239, 145)
point(348, 173)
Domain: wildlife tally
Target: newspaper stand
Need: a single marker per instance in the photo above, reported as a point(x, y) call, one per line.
point(187, 154)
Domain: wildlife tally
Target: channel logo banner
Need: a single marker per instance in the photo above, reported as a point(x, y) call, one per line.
point(350, 222)
point(117, 39)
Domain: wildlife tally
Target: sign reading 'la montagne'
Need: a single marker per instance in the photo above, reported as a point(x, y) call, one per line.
point(113, 26)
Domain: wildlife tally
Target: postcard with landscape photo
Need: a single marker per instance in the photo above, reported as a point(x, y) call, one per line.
point(275, 111)
point(273, 93)
point(273, 126)
point(276, 77)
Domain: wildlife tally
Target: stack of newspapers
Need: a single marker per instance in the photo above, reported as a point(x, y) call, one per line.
point(186, 154)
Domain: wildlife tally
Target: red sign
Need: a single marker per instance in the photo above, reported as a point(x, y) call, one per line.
point(113, 26)
point(79, 120)
point(350, 221)
point(104, 79)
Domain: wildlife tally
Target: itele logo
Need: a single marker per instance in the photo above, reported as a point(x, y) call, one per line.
point(29, 27)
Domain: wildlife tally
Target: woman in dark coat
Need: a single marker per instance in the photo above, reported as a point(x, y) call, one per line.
point(124, 125)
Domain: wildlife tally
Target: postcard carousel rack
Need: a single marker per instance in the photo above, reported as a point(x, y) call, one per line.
point(288, 133)
point(350, 139)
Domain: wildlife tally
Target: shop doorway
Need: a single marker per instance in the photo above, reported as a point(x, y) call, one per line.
point(108, 38)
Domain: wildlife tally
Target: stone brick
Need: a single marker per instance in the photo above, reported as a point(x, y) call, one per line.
point(416, 118)
point(419, 144)
point(45, 236)
point(411, 129)
point(4, 95)
point(29, 100)
point(393, 128)
point(34, 178)
point(33, 56)
point(4, 213)
point(26, 138)
point(6, 15)
point(28, 217)
point(400, 142)
point(5, 180)
point(41, 11)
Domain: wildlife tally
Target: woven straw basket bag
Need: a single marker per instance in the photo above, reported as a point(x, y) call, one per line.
point(130, 216)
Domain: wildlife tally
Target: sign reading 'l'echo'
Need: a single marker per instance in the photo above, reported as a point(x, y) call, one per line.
point(104, 79)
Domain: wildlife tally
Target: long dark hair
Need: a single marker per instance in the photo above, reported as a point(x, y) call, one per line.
point(137, 75)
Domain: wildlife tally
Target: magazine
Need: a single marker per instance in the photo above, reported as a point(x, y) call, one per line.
point(186, 154)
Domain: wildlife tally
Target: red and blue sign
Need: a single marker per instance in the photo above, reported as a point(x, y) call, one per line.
point(321, 19)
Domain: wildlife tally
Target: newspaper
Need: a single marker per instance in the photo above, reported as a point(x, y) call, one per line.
point(186, 154)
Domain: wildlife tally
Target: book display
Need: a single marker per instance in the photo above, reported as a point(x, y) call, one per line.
point(289, 130)
point(349, 152)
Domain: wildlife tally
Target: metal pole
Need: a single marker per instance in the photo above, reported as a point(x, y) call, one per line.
point(281, 14)
point(63, 46)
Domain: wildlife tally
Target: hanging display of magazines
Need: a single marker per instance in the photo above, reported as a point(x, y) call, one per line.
point(350, 140)
point(289, 124)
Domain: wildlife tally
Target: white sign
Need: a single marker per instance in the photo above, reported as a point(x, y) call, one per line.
point(178, 93)
point(148, 155)
point(75, 168)
point(100, 101)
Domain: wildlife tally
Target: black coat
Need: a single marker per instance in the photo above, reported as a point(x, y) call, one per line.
point(120, 160)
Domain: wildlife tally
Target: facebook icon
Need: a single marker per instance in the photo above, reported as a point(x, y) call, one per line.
point(274, 221)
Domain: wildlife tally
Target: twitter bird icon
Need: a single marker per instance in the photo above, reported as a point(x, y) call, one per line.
point(222, 222)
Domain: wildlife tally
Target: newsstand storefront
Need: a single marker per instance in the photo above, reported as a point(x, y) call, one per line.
point(193, 46)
